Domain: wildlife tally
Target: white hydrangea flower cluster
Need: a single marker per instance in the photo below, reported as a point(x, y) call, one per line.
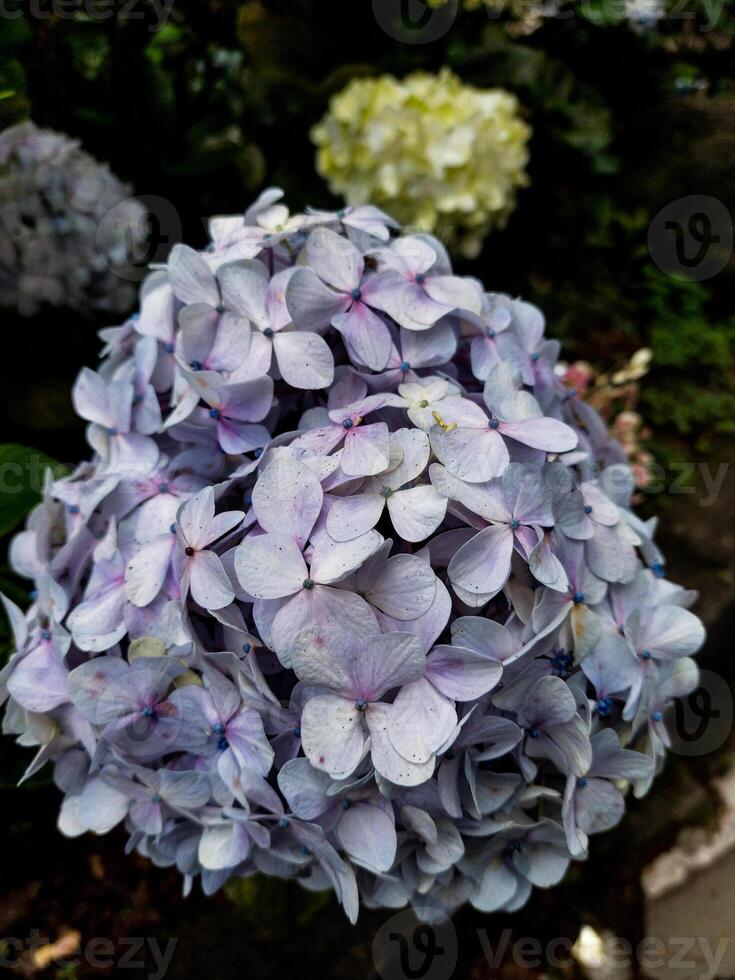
point(442, 156)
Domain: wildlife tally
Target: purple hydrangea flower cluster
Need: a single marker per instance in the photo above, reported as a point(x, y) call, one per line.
point(350, 591)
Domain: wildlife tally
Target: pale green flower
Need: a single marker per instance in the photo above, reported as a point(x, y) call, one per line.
point(439, 155)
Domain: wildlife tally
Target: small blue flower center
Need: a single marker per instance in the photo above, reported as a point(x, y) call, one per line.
point(356, 295)
point(491, 333)
point(405, 366)
point(420, 278)
point(515, 524)
point(219, 728)
point(308, 583)
point(155, 798)
point(220, 309)
point(169, 348)
point(345, 804)
point(578, 597)
point(297, 731)
point(656, 716)
point(588, 508)
point(246, 648)
point(163, 487)
point(561, 665)
point(137, 399)
point(73, 509)
point(646, 655)
point(534, 732)
point(581, 782)
point(268, 332)
point(147, 712)
point(214, 413)
point(604, 706)
point(514, 846)
point(112, 431)
point(283, 823)
point(361, 704)
point(347, 423)
point(196, 366)
point(222, 744)
point(658, 569)
point(46, 635)
point(493, 423)
point(172, 529)
point(535, 356)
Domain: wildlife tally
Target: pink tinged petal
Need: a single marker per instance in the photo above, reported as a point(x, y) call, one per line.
point(366, 450)
point(304, 359)
point(195, 517)
point(224, 846)
point(333, 560)
point(484, 356)
point(474, 455)
point(256, 363)
point(604, 510)
point(249, 742)
point(333, 735)
point(366, 336)
point(147, 816)
point(287, 499)
point(546, 567)
point(305, 788)
point(483, 636)
point(245, 290)
point(368, 835)
point(379, 663)
point(210, 587)
point(334, 612)
point(666, 631)
point(482, 565)
point(420, 721)
point(146, 571)
point(455, 293)
point(97, 624)
point(191, 278)
point(349, 517)
point(417, 512)
point(550, 435)
point(431, 347)
point(403, 589)
point(90, 397)
point(222, 524)
point(270, 566)
point(599, 806)
point(101, 807)
point(462, 674)
point(92, 689)
point(236, 437)
point(248, 401)
point(388, 762)
point(313, 305)
point(527, 495)
point(334, 259)
point(39, 681)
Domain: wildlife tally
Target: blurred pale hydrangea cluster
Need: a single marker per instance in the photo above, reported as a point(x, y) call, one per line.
point(350, 590)
point(444, 157)
point(68, 225)
point(527, 16)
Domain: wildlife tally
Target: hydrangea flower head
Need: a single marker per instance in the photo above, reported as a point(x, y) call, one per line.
point(439, 154)
point(350, 590)
point(56, 247)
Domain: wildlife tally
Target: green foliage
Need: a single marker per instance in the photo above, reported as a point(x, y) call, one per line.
point(22, 472)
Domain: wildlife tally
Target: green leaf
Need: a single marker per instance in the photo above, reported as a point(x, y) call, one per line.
point(22, 471)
